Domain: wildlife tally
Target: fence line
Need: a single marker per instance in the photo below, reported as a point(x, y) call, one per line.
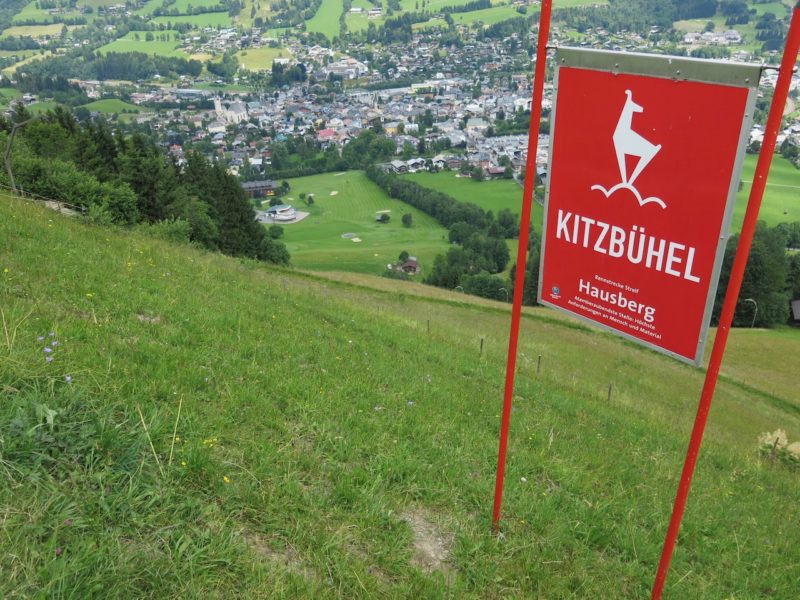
point(37, 198)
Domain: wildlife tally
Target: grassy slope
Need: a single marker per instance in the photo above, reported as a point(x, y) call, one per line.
point(317, 243)
point(316, 414)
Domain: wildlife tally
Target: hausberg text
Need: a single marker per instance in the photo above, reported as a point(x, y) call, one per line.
point(634, 245)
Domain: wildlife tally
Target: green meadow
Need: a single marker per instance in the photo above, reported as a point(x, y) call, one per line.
point(212, 427)
point(42, 107)
point(348, 203)
point(130, 43)
point(487, 16)
point(262, 9)
point(326, 19)
point(489, 195)
point(781, 203)
point(184, 6)
point(577, 3)
point(260, 59)
point(9, 95)
point(32, 13)
point(52, 30)
point(431, 5)
point(214, 19)
point(111, 105)
point(8, 71)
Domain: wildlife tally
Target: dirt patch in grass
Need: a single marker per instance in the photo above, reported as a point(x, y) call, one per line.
point(432, 545)
point(286, 558)
point(147, 319)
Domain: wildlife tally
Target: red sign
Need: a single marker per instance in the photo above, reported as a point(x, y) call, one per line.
point(641, 183)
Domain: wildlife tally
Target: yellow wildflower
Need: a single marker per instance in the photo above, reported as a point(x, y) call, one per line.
point(226, 479)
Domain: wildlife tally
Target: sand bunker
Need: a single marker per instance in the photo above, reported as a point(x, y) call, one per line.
point(356, 239)
point(382, 212)
point(334, 192)
point(339, 174)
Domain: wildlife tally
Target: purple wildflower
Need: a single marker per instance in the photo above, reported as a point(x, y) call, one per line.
point(54, 343)
point(48, 358)
point(47, 349)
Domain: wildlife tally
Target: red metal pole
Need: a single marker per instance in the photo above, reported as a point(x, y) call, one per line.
point(732, 293)
point(522, 250)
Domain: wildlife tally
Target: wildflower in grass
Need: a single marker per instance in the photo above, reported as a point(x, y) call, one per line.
point(54, 343)
point(40, 338)
point(183, 463)
point(47, 349)
point(6, 270)
point(52, 334)
point(68, 378)
point(48, 358)
point(59, 551)
point(776, 439)
point(226, 479)
point(89, 295)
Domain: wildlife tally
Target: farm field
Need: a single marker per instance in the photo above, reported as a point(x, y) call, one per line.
point(326, 20)
point(781, 202)
point(214, 19)
point(129, 43)
point(316, 242)
point(34, 31)
point(225, 428)
point(29, 59)
point(260, 59)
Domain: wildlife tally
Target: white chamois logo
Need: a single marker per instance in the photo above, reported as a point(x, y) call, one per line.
point(629, 143)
